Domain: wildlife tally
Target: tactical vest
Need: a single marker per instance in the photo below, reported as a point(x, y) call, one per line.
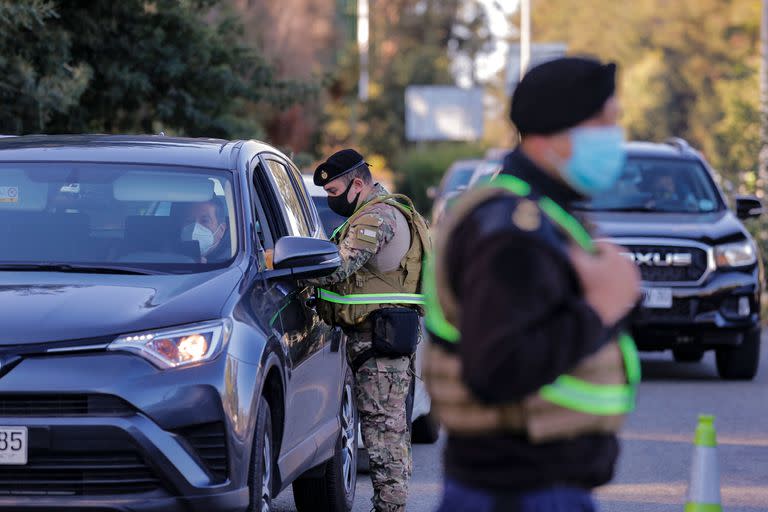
point(349, 302)
point(593, 398)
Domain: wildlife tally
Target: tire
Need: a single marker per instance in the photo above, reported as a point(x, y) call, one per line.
point(740, 363)
point(426, 429)
point(262, 473)
point(335, 490)
point(691, 355)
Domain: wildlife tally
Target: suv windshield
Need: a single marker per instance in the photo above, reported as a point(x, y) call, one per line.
point(121, 217)
point(659, 185)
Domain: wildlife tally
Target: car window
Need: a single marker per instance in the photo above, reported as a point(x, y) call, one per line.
point(457, 179)
point(298, 224)
point(162, 218)
point(661, 185)
point(303, 193)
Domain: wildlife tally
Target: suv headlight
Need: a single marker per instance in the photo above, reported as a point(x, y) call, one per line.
point(178, 346)
point(739, 254)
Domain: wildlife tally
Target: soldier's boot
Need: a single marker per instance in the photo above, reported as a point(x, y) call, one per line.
point(381, 389)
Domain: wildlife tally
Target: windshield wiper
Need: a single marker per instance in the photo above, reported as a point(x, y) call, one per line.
point(75, 268)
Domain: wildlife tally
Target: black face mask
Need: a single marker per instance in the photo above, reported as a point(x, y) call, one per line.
point(341, 205)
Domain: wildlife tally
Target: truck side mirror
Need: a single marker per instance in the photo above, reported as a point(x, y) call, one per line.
point(748, 207)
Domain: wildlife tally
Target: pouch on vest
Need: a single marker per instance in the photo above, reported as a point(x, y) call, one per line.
point(395, 331)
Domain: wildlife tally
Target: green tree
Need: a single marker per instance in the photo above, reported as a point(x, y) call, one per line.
point(688, 67)
point(38, 75)
point(409, 46)
point(144, 66)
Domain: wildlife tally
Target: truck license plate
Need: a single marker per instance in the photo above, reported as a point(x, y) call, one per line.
point(13, 446)
point(657, 298)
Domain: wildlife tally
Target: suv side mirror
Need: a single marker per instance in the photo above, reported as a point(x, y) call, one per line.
point(748, 207)
point(306, 257)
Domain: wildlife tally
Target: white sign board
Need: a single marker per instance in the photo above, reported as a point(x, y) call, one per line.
point(540, 53)
point(443, 113)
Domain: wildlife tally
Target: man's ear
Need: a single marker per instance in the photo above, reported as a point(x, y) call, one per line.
point(358, 185)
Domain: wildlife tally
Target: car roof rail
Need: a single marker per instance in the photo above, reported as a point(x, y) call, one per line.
point(680, 143)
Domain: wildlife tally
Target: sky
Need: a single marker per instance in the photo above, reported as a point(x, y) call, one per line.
point(497, 10)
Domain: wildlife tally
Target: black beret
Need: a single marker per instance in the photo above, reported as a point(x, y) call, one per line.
point(560, 94)
point(338, 164)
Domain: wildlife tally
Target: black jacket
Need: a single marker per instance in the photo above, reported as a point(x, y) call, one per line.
point(524, 322)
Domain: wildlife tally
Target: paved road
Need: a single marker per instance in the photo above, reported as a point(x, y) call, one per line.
point(653, 470)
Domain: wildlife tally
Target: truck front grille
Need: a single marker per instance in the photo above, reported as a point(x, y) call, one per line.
point(659, 271)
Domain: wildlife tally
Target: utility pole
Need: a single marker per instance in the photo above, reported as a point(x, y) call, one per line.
point(363, 44)
point(363, 40)
point(525, 36)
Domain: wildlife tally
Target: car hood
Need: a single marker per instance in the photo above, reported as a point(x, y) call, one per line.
point(708, 228)
point(38, 307)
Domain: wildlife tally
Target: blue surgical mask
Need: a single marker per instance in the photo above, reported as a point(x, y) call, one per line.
point(597, 159)
point(201, 234)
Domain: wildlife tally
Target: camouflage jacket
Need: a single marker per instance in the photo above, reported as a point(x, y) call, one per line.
point(361, 243)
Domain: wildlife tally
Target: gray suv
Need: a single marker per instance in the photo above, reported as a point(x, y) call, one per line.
point(159, 349)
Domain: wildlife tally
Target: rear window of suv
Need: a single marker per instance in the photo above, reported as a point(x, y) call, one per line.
point(659, 185)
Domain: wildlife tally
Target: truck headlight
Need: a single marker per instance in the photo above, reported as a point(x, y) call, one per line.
point(178, 346)
point(739, 254)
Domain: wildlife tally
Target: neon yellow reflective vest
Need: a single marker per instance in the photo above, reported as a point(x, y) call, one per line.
point(594, 397)
point(349, 302)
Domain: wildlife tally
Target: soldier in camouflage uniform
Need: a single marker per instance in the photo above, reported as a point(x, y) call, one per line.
point(381, 251)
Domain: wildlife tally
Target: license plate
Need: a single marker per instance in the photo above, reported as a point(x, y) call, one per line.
point(13, 446)
point(657, 298)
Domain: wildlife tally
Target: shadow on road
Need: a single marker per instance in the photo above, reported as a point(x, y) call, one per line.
point(658, 369)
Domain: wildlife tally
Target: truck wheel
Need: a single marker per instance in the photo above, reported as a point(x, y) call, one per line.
point(426, 429)
point(335, 490)
point(740, 363)
point(687, 355)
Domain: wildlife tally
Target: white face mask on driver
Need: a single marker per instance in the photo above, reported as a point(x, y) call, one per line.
point(201, 234)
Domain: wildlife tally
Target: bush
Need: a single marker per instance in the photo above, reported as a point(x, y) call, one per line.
point(421, 167)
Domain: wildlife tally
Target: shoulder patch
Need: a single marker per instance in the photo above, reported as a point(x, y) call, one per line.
point(368, 219)
point(366, 234)
point(526, 215)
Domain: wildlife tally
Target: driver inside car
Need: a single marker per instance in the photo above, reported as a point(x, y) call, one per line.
point(667, 191)
point(206, 223)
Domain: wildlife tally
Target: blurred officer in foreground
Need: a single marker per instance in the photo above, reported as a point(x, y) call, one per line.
point(374, 297)
point(528, 367)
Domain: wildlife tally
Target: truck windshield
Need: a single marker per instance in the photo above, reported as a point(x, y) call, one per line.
point(97, 217)
point(659, 185)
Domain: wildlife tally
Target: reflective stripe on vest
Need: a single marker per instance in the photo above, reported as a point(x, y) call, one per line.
point(567, 391)
point(371, 298)
point(434, 320)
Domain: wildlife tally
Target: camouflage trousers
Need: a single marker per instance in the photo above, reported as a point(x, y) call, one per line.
point(381, 390)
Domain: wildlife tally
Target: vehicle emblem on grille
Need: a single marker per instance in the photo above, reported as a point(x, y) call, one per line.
point(657, 259)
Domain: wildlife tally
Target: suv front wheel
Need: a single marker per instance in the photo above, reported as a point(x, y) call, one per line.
point(741, 362)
